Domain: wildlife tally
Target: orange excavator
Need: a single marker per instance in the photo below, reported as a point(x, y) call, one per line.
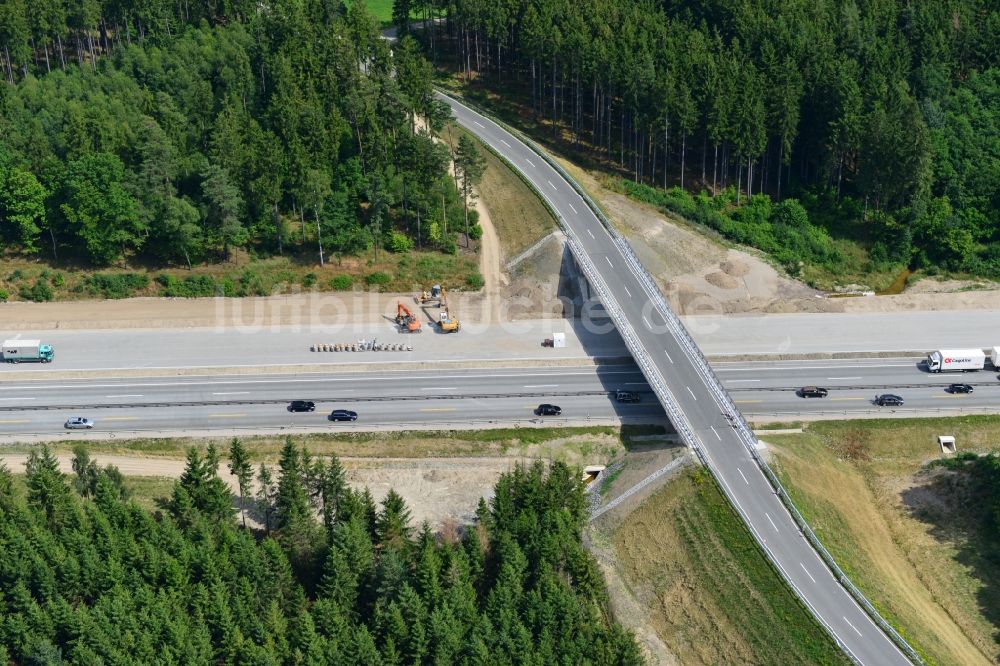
point(407, 322)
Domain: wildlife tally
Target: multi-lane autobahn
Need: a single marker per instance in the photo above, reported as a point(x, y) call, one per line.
point(698, 409)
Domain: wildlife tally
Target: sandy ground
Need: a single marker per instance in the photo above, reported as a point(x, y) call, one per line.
point(435, 489)
point(701, 276)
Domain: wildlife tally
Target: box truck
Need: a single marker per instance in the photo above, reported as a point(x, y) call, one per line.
point(957, 360)
point(995, 357)
point(27, 351)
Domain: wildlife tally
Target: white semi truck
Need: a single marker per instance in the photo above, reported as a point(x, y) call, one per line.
point(27, 351)
point(956, 360)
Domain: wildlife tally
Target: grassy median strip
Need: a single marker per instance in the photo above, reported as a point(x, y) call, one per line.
point(711, 595)
point(908, 536)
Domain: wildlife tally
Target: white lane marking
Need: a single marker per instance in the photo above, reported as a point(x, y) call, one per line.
point(609, 261)
point(541, 385)
point(738, 381)
point(591, 234)
point(743, 475)
point(505, 143)
point(439, 388)
point(233, 393)
point(627, 291)
point(770, 367)
point(668, 356)
point(573, 209)
point(648, 325)
point(771, 521)
point(551, 185)
point(851, 625)
point(17, 398)
point(843, 378)
point(479, 124)
point(532, 164)
point(125, 395)
point(720, 439)
point(691, 392)
point(807, 572)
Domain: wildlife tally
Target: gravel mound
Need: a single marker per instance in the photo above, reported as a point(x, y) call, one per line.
point(721, 280)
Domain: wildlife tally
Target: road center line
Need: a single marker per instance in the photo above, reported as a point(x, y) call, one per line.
point(551, 184)
point(851, 625)
point(439, 409)
point(479, 124)
point(120, 418)
point(691, 392)
point(530, 163)
point(807, 572)
point(771, 521)
point(438, 388)
point(573, 209)
point(541, 386)
point(648, 325)
point(505, 143)
point(627, 291)
point(719, 437)
point(609, 261)
point(225, 416)
point(830, 378)
point(668, 356)
point(841, 399)
point(743, 475)
point(125, 395)
point(233, 393)
point(591, 234)
point(16, 421)
point(737, 381)
point(17, 398)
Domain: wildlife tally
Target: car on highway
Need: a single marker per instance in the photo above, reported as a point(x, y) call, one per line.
point(545, 409)
point(888, 400)
point(813, 392)
point(78, 423)
point(302, 406)
point(959, 388)
point(627, 396)
point(342, 415)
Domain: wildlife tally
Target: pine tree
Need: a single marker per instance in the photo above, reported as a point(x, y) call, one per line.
point(242, 469)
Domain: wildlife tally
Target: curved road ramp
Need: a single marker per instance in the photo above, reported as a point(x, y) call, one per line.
point(693, 397)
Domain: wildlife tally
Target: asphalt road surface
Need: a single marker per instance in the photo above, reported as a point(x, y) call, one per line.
point(732, 463)
point(381, 399)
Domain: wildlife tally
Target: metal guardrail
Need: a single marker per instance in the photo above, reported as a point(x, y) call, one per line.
point(683, 426)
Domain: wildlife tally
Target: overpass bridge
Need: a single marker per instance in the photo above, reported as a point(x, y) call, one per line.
point(697, 404)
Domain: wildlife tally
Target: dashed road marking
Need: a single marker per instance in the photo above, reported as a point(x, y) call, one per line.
point(505, 143)
point(771, 521)
point(807, 572)
point(573, 209)
point(842, 399)
point(551, 184)
point(609, 261)
point(15, 421)
point(851, 625)
point(225, 416)
point(719, 437)
point(479, 124)
point(16, 398)
point(627, 291)
point(668, 356)
point(747, 402)
point(438, 388)
point(591, 234)
point(530, 163)
point(125, 395)
point(691, 392)
point(233, 393)
point(734, 381)
point(541, 385)
point(648, 325)
point(743, 475)
point(439, 409)
point(829, 378)
point(120, 418)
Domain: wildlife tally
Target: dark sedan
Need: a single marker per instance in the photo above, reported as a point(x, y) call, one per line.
point(960, 388)
point(548, 410)
point(302, 406)
point(343, 415)
point(889, 400)
point(813, 392)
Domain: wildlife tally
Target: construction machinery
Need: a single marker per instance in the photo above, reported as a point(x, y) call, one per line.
point(428, 297)
point(406, 320)
point(446, 321)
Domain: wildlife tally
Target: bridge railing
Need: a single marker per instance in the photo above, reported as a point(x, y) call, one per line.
point(677, 417)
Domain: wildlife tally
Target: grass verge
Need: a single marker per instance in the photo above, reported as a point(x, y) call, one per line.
point(595, 444)
point(710, 594)
point(901, 531)
point(520, 217)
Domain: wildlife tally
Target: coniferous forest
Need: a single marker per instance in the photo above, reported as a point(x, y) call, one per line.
point(178, 133)
point(89, 577)
point(880, 118)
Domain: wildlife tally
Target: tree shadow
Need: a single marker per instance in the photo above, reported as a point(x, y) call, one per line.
point(951, 502)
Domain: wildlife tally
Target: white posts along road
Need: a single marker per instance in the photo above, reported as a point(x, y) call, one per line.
point(692, 398)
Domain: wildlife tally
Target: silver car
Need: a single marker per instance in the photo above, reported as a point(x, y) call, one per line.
point(77, 423)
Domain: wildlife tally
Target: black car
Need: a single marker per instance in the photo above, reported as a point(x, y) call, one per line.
point(960, 388)
point(343, 415)
point(548, 410)
point(813, 392)
point(626, 396)
point(888, 400)
point(302, 406)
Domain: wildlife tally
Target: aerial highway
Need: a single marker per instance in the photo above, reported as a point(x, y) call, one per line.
point(498, 397)
point(669, 363)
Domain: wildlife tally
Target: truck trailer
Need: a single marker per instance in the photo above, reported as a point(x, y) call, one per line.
point(27, 351)
point(956, 360)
